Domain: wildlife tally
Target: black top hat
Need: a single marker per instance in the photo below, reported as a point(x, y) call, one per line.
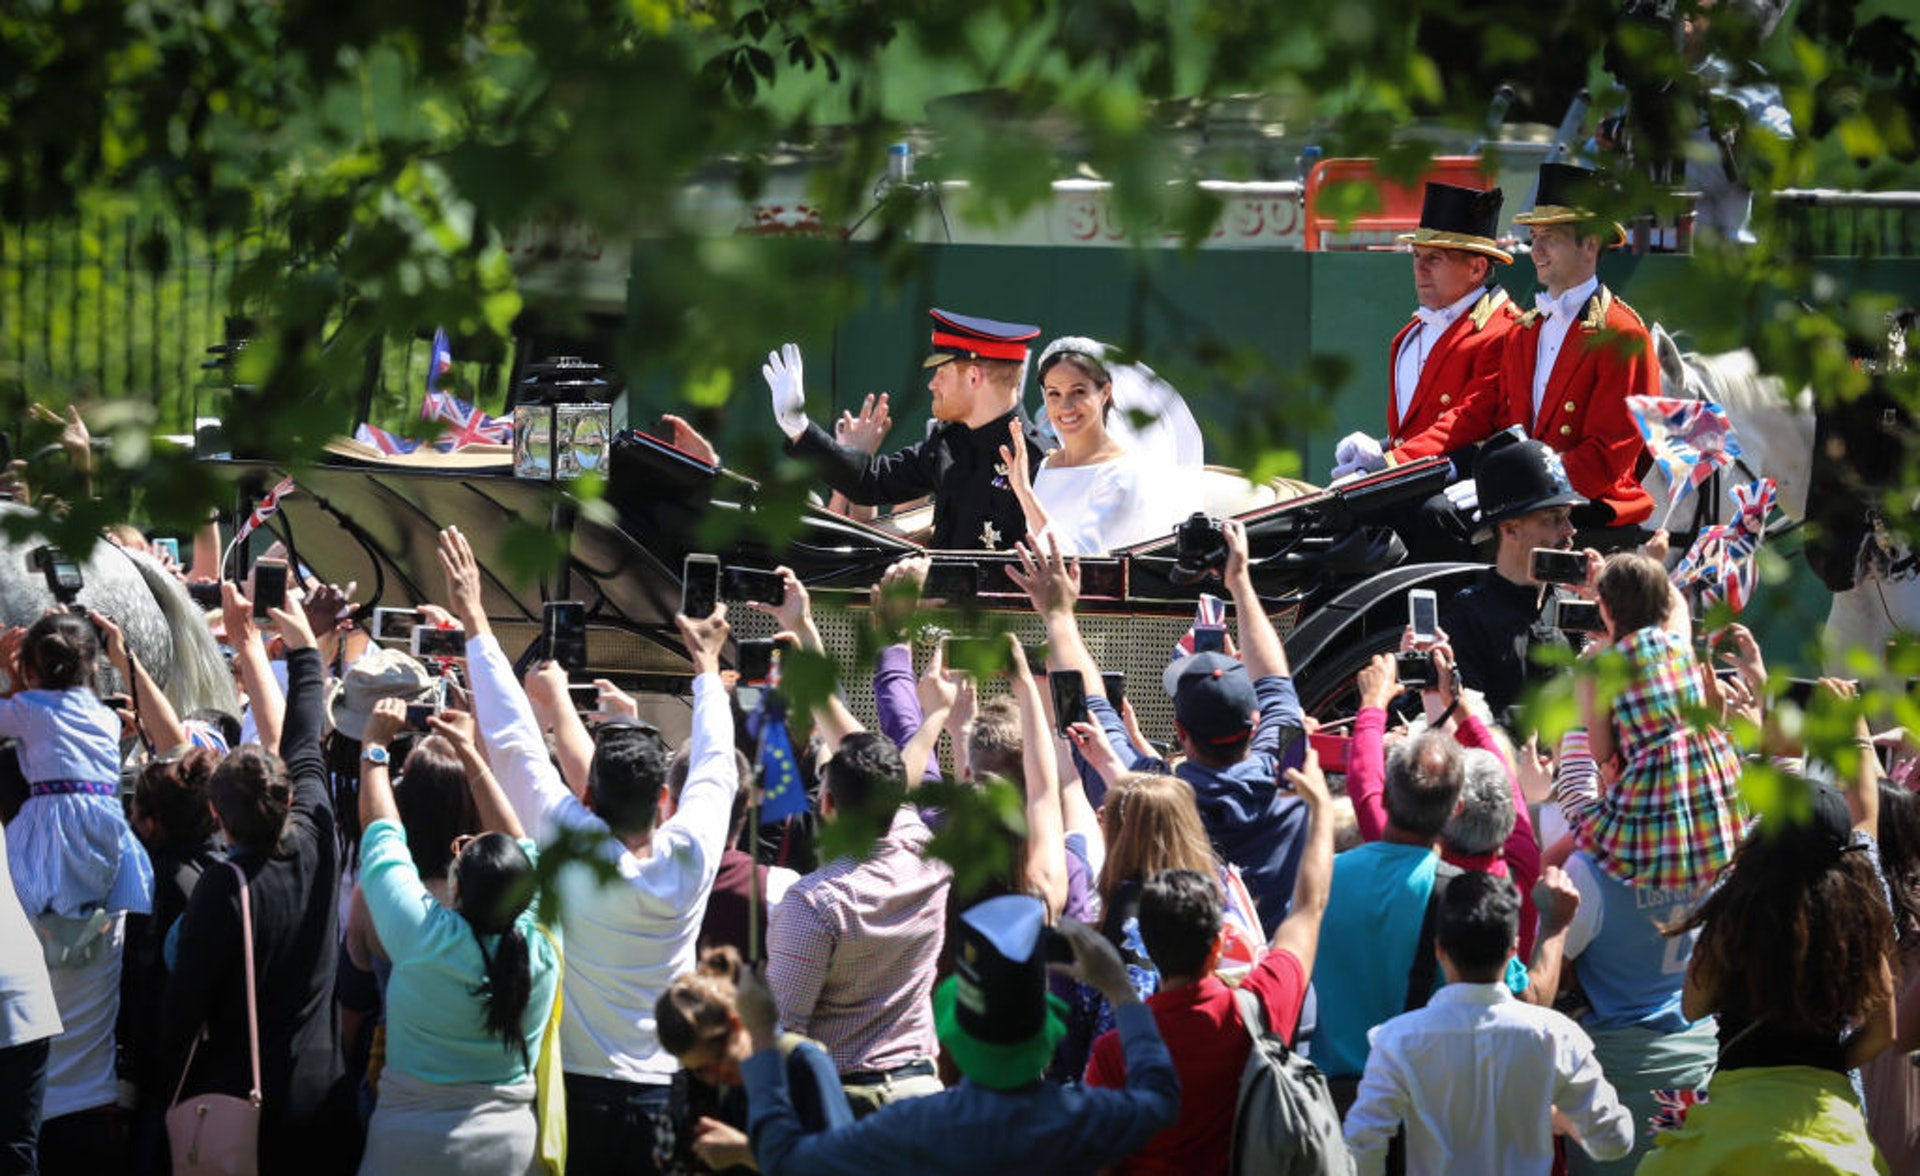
point(1565, 195)
point(963, 336)
point(1452, 217)
point(1515, 476)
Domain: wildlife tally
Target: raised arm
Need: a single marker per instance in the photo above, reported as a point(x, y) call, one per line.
point(1260, 645)
point(1558, 900)
point(869, 479)
point(795, 614)
point(1020, 479)
point(489, 800)
point(896, 694)
point(520, 761)
point(1299, 932)
point(933, 701)
point(376, 785)
point(157, 717)
point(1379, 684)
point(306, 714)
point(250, 658)
point(1046, 865)
point(553, 711)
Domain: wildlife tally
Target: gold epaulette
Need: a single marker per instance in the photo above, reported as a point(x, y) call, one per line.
point(1484, 309)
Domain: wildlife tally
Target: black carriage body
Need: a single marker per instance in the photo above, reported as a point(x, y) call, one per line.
point(1333, 581)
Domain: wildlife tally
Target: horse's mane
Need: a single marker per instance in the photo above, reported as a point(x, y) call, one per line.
point(199, 676)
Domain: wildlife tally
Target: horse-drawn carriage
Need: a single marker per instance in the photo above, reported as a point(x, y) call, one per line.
point(1331, 575)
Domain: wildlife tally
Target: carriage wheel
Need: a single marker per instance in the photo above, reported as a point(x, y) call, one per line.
point(1327, 687)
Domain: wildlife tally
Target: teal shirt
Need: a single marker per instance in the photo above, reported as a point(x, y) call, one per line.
point(1377, 903)
point(436, 1026)
point(1372, 924)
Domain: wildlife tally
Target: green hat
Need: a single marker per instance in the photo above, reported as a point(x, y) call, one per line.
point(994, 1014)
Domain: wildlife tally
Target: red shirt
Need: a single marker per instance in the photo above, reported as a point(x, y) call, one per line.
point(1203, 1031)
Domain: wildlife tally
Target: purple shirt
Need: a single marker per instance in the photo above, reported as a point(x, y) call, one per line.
point(852, 949)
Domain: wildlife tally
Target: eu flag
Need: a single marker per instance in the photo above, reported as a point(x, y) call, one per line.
point(782, 793)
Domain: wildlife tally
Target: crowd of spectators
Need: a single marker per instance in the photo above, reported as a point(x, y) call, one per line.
point(494, 933)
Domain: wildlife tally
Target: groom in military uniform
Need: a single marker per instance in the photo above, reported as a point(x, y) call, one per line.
point(977, 367)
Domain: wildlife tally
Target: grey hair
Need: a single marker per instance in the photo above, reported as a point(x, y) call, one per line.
point(1485, 817)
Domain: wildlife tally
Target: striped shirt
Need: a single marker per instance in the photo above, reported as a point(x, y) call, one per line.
point(851, 951)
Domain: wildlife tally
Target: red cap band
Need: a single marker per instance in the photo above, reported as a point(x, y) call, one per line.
point(982, 348)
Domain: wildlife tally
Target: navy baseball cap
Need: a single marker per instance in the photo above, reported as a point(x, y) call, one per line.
point(1214, 698)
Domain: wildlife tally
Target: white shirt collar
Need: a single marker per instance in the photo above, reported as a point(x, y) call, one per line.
point(1465, 993)
point(1443, 318)
point(1568, 305)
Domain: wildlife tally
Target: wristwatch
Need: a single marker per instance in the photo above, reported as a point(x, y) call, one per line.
point(374, 753)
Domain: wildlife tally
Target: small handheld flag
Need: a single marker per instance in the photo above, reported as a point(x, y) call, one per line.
point(782, 794)
point(1722, 559)
point(1689, 440)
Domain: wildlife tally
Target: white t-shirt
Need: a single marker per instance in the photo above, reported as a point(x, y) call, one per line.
point(80, 1069)
point(1093, 509)
point(627, 938)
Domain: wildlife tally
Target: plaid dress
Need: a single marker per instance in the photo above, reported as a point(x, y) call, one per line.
point(1676, 815)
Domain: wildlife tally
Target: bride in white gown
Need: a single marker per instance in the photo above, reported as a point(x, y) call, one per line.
point(1091, 494)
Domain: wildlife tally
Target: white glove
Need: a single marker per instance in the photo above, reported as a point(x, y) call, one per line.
point(785, 379)
point(1358, 453)
point(1464, 494)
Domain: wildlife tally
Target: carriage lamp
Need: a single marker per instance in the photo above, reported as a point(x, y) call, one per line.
point(562, 420)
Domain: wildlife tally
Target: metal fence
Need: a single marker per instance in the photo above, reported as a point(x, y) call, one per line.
point(1827, 222)
point(119, 306)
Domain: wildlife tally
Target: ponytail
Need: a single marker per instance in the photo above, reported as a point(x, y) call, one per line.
point(495, 882)
point(506, 989)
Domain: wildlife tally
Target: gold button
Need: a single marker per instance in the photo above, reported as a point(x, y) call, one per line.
point(1571, 406)
point(1566, 430)
point(1444, 399)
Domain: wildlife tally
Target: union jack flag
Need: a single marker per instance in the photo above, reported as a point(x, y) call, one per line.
point(265, 510)
point(384, 441)
point(467, 424)
point(1211, 614)
point(1721, 559)
point(1689, 439)
point(1670, 1108)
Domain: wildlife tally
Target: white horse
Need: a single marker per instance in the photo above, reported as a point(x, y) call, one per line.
point(1776, 436)
point(164, 628)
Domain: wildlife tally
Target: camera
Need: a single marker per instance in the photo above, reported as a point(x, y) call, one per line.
point(1069, 698)
point(564, 625)
point(755, 661)
point(1575, 616)
point(61, 570)
point(752, 584)
point(1423, 614)
point(1199, 547)
point(395, 624)
point(269, 586)
point(1415, 668)
point(700, 586)
point(1550, 565)
point(978, 655)
point(444, 643)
